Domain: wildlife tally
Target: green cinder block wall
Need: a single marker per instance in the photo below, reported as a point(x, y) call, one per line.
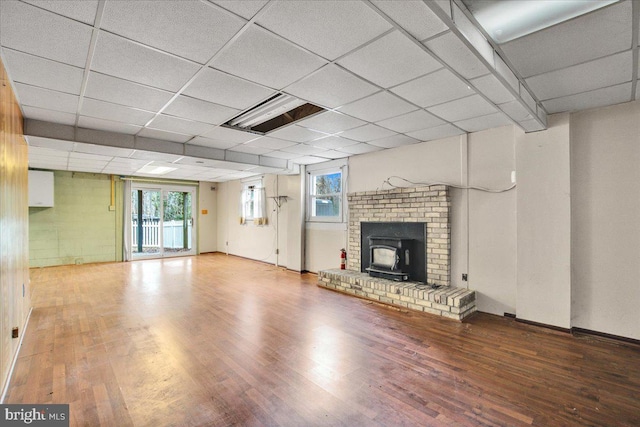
point(80, 228)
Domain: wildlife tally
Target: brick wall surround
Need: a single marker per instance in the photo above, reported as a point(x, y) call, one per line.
point(429, 204)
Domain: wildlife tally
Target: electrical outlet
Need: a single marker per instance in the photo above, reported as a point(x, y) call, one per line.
point(464, 277)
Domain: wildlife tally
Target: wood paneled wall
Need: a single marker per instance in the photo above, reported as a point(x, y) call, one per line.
point(15, 295)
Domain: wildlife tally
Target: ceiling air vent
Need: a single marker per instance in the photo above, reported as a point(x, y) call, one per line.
point(275, 112)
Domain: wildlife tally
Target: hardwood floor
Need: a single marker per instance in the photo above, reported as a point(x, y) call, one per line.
point(214, 340)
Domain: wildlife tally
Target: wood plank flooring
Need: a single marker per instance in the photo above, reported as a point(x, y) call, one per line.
point(215, 340)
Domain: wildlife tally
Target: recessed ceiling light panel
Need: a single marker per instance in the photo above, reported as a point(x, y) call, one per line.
point(508, 20)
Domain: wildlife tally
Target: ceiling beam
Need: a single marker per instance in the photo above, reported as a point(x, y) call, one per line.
point(462, 23)
point(56, 131)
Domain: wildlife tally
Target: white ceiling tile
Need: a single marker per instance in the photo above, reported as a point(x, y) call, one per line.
point(297, 134)
point(271, 143)
point(178, 125)
point(32, 30)
point(213, 143)
point(602, 72)
point(123, 92)
point(91, 166)
point(90, 157)
point(435, 88)
point(190, 29)
point(590, 36)
point(303, 149)
point(114, 112)
point(128, 60)
point(457, 55)
point(48, 99)
point(333, 142)
point(56, 145)
point(152, 155)
point(331, 122)
point(224, 89)
point(36, 161)
point(202, 111)
point(331, 87)
point(251, 149)
point(390, 60)
point(246, 9)
point(80, 10)
point(308, 160)
point(360, 148)
point(102, 150)
point(415, 120)
point(230, 135)
point(164, 135)
point(129, 162)
point(380, 106)
point(107, 125)
point(49, 115)
point(592, 99)
point(414, 16)
point(207, 163)
point(333, 154)
point(41, 72)
point(484, 122)
point(48, 153)
point(394, 141)
point(461, 109)
point(328, 28)
point(265, 58)
point(438, 132)
point(367, 133)
point(491, 87)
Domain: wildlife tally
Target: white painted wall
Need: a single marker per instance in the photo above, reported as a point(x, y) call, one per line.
point(605, 212)
point(483, 238)
point(260, 242)
point(492, 220)
point(207, 223)
point(544, 224)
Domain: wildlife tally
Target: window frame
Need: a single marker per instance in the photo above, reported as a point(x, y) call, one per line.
point(249, 185)
point(311, 196)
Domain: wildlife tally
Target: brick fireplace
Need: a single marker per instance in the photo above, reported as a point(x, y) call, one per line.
point(430, 205)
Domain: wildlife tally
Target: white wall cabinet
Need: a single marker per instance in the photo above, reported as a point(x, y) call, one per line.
point(40, 189)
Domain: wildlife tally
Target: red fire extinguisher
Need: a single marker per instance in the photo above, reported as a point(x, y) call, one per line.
point(343, 259)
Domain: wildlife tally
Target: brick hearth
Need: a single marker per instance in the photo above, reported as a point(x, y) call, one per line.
point(454, 303)
point(428, 205)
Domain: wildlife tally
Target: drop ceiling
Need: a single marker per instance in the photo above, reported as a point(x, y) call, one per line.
point(110, 86)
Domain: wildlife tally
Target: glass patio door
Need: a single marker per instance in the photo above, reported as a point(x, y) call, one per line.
point(162, 222)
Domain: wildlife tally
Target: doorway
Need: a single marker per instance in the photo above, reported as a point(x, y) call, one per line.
point(161, 223)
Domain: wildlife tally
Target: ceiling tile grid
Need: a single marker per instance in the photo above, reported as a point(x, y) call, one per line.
point(328, 28)
point(192, 30)
point(390, 60)
point(388, 74)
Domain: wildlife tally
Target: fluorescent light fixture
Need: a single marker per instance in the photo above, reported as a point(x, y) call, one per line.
point(273, 107)
point(152, 169)
point(508, 20)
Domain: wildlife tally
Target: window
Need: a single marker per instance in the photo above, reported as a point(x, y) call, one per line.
point(325, 195)
point(252, 203)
